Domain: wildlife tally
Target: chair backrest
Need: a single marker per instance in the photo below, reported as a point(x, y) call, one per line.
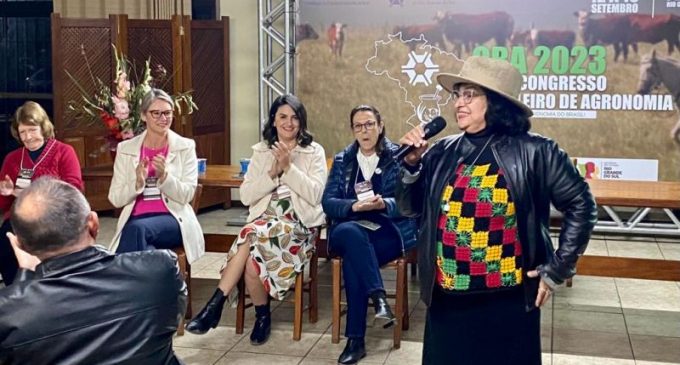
point(196, 202)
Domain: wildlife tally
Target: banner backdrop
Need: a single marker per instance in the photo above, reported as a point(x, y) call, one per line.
point(602, 76)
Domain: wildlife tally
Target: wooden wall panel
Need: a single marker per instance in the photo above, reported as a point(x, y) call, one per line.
point(78, 144)
point(152, 39)
point(195, 55)
point(212, 147)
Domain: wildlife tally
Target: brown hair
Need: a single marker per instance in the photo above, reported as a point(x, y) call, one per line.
point(31, 113)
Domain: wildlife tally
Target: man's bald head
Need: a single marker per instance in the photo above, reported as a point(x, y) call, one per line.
point(49, 215)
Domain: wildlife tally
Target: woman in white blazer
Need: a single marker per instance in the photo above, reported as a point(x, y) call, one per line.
point(154, 179)
point(283, 189)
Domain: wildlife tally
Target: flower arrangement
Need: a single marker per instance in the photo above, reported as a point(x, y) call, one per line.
point(118, 107)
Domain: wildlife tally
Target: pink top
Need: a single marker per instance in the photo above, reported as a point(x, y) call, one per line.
point(150, 206)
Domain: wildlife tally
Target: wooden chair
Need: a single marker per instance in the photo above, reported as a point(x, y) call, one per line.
point(302, 285)
point(183, 263)
point(400, 296)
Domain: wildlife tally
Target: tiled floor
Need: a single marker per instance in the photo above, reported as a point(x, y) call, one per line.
point(603, 321)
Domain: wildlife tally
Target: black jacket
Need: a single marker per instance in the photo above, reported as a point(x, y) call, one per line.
point(92, 307)
point(339, 194)
point(538, 173)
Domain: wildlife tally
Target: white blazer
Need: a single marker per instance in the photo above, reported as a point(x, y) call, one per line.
point(177, 190)
point(306, 178)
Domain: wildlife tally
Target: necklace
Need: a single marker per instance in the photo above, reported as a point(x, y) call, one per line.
point(480, 152)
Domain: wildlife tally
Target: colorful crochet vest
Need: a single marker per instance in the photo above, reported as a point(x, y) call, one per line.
point(478, 245)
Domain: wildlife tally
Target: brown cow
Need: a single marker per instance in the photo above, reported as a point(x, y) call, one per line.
point(648, 29)
point(336, 38)
point(521, 39)
point(552, 38)
point(305, 31)
point(431, 33)
point(474, 29)
point(611, 29)
point(549, 38)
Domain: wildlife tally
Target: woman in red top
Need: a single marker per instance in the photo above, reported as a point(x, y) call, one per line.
point(41, 155)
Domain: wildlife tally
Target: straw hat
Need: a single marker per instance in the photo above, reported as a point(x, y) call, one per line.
point(493, 74)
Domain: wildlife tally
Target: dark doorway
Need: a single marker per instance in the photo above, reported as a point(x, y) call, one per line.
point(25, 61)
point(204, 9)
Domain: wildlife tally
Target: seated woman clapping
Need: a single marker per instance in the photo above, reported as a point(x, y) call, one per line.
point(40, 155)
point(366, 229)
point(283, 189)
point(154, 179)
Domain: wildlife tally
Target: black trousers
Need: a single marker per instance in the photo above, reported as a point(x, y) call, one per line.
point(363, 252)
point(481, 329)
point(8, 261)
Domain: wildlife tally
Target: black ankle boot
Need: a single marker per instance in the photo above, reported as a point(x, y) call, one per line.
point(382, 308)
point(355, 350)
point(263, 325)
point(209, 316)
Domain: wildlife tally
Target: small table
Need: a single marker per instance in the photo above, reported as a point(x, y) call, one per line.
point(224, 176)
point(221, 176)
point(642, 195)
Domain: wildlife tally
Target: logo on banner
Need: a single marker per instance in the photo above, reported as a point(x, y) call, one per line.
point(414, 75)
point(424, 74)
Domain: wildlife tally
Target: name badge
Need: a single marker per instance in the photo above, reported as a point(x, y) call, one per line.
point(151, 190)
point(283, 191)
point(24, 178)
point(364, 190)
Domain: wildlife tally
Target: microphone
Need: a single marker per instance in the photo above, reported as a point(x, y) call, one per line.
point(431, 129)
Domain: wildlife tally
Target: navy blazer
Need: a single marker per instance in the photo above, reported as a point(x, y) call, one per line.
point(339, 194)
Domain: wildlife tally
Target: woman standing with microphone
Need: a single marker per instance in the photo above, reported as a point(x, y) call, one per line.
point(486, 262)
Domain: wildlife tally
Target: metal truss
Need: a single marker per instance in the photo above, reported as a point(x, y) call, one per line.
point(277, 19)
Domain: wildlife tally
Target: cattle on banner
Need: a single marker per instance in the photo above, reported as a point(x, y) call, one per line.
point(431, 34)
point(612, 29)
point(336, 38)
point(648, 29)
point(474, 29)
point(552, 38)
point(538, 37)
point(656, 71)
point(305, 31)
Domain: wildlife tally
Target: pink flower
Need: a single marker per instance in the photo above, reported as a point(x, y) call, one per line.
point(121, 109)
point(122, 84)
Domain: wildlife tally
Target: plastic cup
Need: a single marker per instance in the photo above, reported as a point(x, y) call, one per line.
point(244, 165)
point(202, 165)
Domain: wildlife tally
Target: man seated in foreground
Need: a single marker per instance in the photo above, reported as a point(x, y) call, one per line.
point(75, 303)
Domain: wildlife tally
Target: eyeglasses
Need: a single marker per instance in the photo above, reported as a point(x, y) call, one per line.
point(156, 114)
point(368, 125)
point(466, 95)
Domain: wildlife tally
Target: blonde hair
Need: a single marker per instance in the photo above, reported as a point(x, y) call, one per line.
point(31, 113)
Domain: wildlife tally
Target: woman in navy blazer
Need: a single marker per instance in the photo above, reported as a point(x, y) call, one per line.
point(365, 229)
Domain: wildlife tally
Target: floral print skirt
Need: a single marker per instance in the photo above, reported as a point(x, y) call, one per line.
point(280, 246)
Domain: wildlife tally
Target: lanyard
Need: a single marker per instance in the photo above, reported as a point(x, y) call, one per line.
point(42, 156)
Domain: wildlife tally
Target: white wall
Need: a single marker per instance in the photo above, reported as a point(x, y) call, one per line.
point(243, 28)
point(135, 9)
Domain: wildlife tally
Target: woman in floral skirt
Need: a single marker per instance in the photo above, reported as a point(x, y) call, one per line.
point(283, 189)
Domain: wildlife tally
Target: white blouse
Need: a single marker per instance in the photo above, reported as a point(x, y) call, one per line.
point(367, 164)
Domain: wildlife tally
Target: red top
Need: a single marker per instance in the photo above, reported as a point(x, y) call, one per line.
point(58, 160)
point(150, 206)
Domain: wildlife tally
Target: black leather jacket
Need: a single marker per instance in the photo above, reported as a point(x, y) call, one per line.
point(539, 173)
point(92, 307)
